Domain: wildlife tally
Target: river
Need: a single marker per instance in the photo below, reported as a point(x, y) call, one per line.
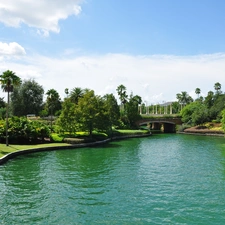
point(162, 179)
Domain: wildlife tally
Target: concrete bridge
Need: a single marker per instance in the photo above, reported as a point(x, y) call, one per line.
point(163, 123)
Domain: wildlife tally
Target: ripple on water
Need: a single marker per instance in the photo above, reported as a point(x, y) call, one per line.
point(168, 179)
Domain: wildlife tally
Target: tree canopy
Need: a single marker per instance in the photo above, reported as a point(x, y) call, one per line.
point(27, 98)
point(53, 102)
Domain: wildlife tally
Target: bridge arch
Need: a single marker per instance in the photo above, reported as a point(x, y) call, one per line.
point(167, 125)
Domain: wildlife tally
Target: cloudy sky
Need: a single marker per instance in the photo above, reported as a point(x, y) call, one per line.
point(155, 48)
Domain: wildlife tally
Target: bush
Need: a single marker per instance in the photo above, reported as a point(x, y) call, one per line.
point(56, 138)
point(24, 131)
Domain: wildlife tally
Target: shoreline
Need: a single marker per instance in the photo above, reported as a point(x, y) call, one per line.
point(202, 133)
point(13, 155)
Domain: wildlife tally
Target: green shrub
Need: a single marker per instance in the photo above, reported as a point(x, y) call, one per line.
point(56, 138)
point(24, 131)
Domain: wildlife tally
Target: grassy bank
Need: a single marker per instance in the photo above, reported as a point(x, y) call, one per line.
point(4, 150)
point(206, 128)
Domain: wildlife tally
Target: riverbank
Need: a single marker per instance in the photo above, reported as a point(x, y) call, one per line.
point(12, 151)
point(209, 129)
point(202, 133)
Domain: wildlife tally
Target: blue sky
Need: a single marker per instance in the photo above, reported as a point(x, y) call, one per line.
point(156, 48)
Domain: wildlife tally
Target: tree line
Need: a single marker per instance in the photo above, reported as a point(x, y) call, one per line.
point(83, 110)
point(80, 110)
point(202, 109)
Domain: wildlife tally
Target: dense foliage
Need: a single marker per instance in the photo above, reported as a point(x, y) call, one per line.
point(88, 113)
point(53, 102)
point(21, 130)
point(204, 109)
point(27, 99)
point(83, 110)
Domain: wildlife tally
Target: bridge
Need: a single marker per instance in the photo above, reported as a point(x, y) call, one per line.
point(167, 124)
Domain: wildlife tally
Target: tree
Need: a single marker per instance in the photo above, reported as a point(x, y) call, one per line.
point(91, 113)
point(27, 98)
point(8, 80)
point(188, 110)
point(200, 114)
point(76, 94)
point(136, 98)
point(195, 113)
point(175, 107)
point(209, 99)
point(121, 91)
point(217, 87)
point(112, 109)
point(217, 107)
point(184, 98)
point(197, 92)
point(67, 120)
point(132, 109)
point(53, 101)
point(66, 92)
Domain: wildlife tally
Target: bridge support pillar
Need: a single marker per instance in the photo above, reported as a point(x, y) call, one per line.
point(156, 126)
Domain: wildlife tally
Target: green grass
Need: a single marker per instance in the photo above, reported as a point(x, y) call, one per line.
point(129, 132)
point(4, 150)
point(132, 131)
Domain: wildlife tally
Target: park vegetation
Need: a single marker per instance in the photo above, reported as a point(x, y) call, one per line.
point(203, 110)
point(83, 116)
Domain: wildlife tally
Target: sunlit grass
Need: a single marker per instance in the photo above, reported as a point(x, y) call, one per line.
point(4, 150)
point(132, 131)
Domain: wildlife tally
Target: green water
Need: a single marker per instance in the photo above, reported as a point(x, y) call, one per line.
point(163, 179)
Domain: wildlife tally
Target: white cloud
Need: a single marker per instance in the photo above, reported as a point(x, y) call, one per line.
point(11, 49)
point(42, 14)
point(155, 78)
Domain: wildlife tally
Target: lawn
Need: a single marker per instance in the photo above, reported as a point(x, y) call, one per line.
point(4, 150)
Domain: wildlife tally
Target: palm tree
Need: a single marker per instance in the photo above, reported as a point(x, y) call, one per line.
point(8, 79)
point(77, 93)
point(184, 98)
point(52, 100)
point(66, 92)
point(138, 100)
point(209, 99)
point(217, 87)
point(121, 91)
point(197, 91)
